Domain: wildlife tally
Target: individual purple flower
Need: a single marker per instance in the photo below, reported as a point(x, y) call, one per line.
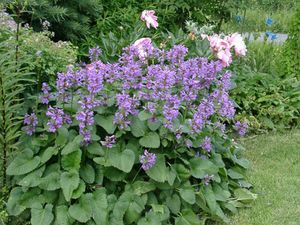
point(31, 122)
point(241, 128)
point(109, 141)
point(206, 144)
point(46, 95)
point(221, 126)
point(207, 179)
point(94, 53)
point(86, 120)
point(147, 160)
point(57, 118)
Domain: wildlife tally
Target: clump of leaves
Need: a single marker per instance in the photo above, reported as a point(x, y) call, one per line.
point(139, 141)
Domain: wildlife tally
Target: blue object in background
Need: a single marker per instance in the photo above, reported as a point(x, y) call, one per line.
point(269, 21)
point(271, 35)
point(238, 19)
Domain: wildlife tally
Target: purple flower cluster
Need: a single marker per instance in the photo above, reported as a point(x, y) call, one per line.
point(94, 53)
point(31, 122)
point(207, 179)
point(206, 144)
point(147, 160)
point(57, 118)
point(46, 95)
point(109, 141)
point(163, 83)
point(241, 128)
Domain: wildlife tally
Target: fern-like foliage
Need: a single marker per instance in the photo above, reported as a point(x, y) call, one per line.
point(13, 79)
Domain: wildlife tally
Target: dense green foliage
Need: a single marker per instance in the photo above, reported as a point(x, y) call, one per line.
point(291, 49)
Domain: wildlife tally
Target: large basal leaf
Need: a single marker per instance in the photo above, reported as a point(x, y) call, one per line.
point(174, 203)
point(48, 153)
point(95, 149)
point(106, 122)
point(244, 195)
point(87, 173)
point(71, 161)
point(24, 163)
point(82, 211)
point(62, 216)
point(122, 160)
point(99, 205)
point(150, 140)
point(13, 206)
point(201, 167)
point(142, 187)
point(120, 208)
point(62, 136)
point(159, 171)
point(72, 146)
point(188, 217)
point(42, 216)
point(79, 191)
point(51, 182)
point(32, 179)
point(188, 195)
point(138, 127)
point(69, 182)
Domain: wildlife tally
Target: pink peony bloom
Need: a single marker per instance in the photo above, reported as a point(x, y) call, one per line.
point(236, 40)
point(225, 57)
point(150, 18)
point(141, 45)
point(217, 43)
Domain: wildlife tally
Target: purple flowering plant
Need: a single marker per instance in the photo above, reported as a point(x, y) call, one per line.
point(140, 139)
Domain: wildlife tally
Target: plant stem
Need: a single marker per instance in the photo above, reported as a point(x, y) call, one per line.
point(136, 174)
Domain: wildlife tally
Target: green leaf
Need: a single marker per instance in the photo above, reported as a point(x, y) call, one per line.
point(95, 149)
point(69, 182)
point(142, 187)
point(106, 122)
point(220, 193)
point(100, 207)
point(122, 160)
point(188, 195)
point(234, 174)
point(188, 217)
point(87, 173)
point(153, 125)
point(159, 171)
point(143, 115)
point(79, 191)
point(150, 140)
point(48, 153)
point(23, 163)
point(82, 211)
point(201, 167)
point(13, 206)
point(62, 216)
point(114, 174)
point(62, 136)
point(174, 203)
point(120, 208)
point(51, 181)
point(71, 161)
point(210, 199)
point(244, 195)
point(72, 146)
point(42, 216)
point(32, 179)
point(138, 127)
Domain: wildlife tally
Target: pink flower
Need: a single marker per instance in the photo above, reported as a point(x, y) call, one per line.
point(141, 45)
point(225, 57)
point(236, 40)
point(217, 43)
point(150, 18)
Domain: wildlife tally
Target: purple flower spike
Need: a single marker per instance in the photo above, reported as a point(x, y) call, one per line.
point(109, 141)
point(241, 128)
point(31, 121)
point(207, 179)
point(206, 144)
point(147, 160)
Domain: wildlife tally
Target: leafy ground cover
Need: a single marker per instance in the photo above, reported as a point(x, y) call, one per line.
point(275, 175)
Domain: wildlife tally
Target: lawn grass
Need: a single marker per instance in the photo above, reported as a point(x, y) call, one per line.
point(275, 174)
